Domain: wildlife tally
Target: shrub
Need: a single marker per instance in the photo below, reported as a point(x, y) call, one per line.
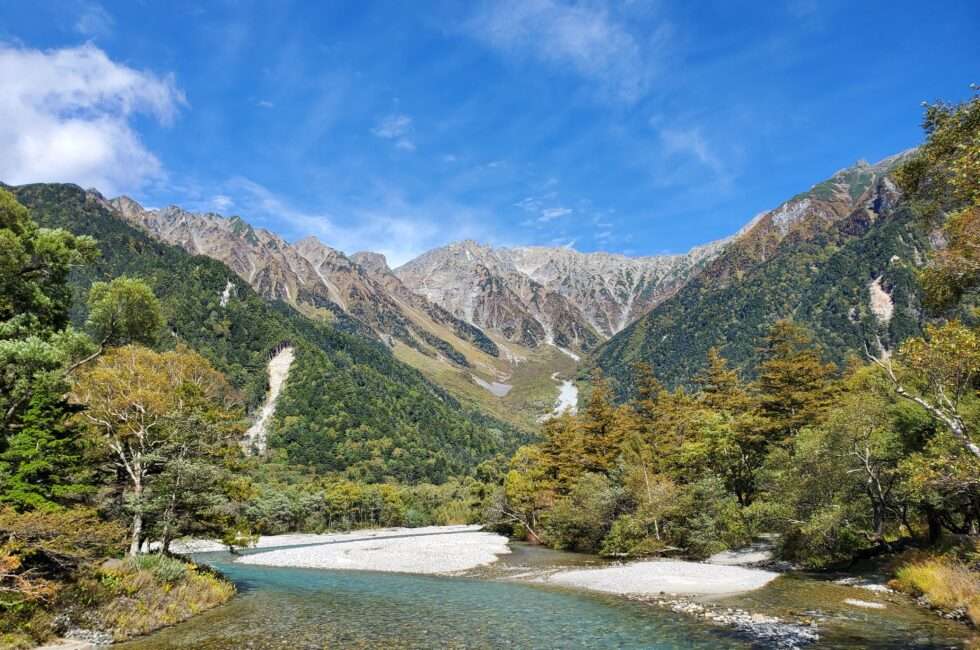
point(41, 553)
point(580, 520)
point(706, 520)
point(630, 536)
point(138, 595)
point(945, 583)
point(163, 567)
point(454, 512)
point(826, 538)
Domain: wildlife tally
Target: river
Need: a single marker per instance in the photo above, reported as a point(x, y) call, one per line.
point(280, 608)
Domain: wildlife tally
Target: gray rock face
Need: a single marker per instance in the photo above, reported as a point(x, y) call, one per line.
point(531, 295)
point(308, 274)
point(373, 263)
point(537, 295)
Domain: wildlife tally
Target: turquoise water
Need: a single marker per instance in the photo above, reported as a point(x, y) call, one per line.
point(306, 609)
point(309, 608)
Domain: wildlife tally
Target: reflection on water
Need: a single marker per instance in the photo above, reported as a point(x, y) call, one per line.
point(901, 624)
point(309, 608)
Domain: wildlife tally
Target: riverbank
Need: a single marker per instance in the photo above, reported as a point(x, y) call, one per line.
point(456, 549)
point(427, 551)
point(129, 598)
point(665, 577)
point(188, 546)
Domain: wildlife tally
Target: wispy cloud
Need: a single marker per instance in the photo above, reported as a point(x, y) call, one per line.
point(65, 115)
point(391, 225)
point(542, 208)
point(396, 128)
point(691, 143)
point(222, 203)
point(563, 242)
point(550, 214)
point(94, 21)
point(590, 39)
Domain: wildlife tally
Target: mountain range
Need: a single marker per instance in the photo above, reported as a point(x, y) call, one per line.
point(348, 406)
point(499, 327)
point(532, 296)
point(474, 318)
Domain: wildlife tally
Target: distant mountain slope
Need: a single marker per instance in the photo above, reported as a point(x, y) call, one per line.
point(538, 295)
point(611, 290)
point(348, 405)
point(840, 258)
point(376, 266)
point(361, 294)
point(315, 278)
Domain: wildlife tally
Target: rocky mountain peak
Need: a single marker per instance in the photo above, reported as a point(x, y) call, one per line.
point(373, 263)
point(600, 292)
point(315, 278)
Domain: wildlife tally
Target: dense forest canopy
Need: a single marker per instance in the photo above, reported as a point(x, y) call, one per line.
point(353, 407)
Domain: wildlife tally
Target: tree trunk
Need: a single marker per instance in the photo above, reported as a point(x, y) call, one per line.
point(170, 515)
point(137, 536)
point(935, 525)
point(137, 532)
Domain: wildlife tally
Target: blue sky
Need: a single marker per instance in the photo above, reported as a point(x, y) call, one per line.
point(635, 127)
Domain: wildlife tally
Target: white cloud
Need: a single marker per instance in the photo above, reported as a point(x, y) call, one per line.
point(65, 116)
point(586, 38)
point(221, 203)
point(396, 128)
point(563, 242)
point(691, 142)
point(535, 205)
point(392, 126)
point(550, 214)
point(93, 20)
point(393, 227)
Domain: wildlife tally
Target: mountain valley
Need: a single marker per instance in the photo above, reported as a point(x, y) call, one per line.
point(475, 319)
point(494, 324)
point(485, 325)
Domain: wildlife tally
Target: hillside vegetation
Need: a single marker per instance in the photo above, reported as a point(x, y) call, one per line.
point(351, 407)
point(819, 273)
point(844, 449)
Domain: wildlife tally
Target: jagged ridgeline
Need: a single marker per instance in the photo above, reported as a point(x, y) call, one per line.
point(348, 405)
point(840, 259)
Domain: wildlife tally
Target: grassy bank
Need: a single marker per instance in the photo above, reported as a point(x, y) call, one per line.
point(944, 583)
point(136, 596)
point(119, 600)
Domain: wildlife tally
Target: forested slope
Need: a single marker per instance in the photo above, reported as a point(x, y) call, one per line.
point(819, 275)
point(349, 405)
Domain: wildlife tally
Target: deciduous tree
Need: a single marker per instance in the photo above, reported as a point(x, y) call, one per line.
point(137, 409)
